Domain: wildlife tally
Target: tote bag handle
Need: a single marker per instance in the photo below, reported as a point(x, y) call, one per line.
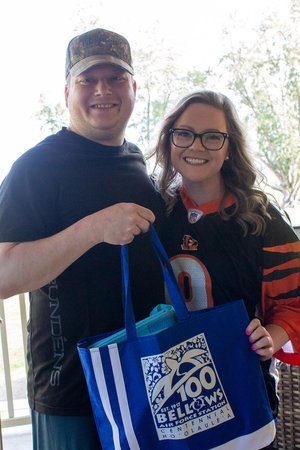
point(170, 280)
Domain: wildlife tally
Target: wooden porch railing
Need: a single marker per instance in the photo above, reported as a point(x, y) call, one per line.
point(11, 412)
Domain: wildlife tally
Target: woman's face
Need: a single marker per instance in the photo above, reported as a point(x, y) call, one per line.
point(196, 164)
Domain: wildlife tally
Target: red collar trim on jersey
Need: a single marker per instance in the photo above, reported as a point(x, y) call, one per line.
point(206, 208)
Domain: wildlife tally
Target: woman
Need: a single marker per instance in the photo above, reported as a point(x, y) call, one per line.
point(225, 239)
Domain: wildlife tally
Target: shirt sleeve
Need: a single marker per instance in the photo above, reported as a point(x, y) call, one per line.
point(26, 202)
point(281, 283)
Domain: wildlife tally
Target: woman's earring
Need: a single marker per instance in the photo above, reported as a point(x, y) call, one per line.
point(226, 158)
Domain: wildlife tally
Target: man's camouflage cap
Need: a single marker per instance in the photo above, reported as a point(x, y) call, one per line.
point(95, 47)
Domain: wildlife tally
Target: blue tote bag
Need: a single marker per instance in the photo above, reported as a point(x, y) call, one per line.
point(194, 385)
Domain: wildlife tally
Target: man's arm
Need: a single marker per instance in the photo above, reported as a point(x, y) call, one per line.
point(27, 266)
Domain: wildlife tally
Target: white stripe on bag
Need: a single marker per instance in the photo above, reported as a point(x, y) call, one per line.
point(122, 397)
point(102, 388)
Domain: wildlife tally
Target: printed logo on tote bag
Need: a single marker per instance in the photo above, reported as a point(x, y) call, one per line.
point(185, 393)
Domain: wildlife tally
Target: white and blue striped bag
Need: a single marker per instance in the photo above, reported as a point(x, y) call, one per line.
point(195, 385)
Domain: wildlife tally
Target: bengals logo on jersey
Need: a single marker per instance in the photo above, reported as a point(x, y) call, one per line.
point(189, 243)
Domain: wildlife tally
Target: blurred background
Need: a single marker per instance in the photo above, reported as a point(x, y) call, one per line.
point(247, 50)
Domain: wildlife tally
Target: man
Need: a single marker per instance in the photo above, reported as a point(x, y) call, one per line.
point(62, 204)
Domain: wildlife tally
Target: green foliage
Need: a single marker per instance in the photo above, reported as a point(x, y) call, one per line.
point(51, 117)
point(162, 84)
point(266, 78)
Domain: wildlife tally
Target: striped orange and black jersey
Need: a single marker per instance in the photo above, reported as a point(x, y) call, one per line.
point(215, 264)
point(280, 296)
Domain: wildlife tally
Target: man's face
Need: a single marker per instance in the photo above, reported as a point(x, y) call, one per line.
point(100, 103)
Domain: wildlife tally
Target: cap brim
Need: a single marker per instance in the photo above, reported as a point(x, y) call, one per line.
point(95, 60)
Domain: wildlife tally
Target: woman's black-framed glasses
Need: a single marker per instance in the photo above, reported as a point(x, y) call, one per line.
point(211, 140)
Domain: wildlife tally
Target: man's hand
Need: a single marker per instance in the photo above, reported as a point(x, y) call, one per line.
point(120, 223)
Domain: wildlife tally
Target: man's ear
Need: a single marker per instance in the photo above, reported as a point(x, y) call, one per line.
point(66, 94)
point(134, 87)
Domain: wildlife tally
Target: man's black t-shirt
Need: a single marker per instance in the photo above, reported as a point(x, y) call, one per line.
point(61, 180)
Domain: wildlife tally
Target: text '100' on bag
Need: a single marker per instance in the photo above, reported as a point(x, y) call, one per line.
point(195, 385)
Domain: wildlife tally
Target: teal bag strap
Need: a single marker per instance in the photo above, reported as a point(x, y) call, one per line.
point(170, 280)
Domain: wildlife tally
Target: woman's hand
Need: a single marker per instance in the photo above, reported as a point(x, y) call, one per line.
point(261, 341)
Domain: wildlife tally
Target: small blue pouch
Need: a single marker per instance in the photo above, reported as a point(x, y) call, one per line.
point(161, 317)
